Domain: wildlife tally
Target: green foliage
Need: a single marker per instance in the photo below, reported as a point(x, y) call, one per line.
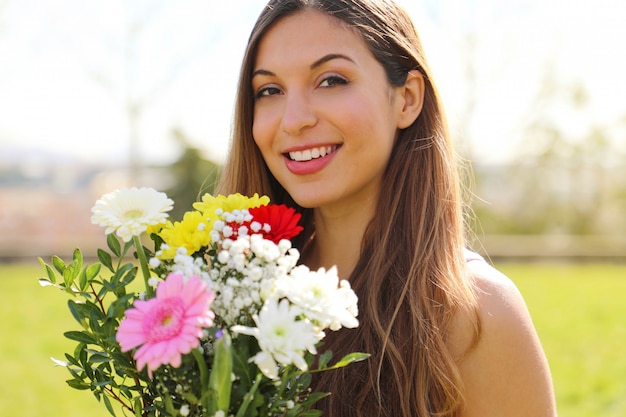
point(98, 305)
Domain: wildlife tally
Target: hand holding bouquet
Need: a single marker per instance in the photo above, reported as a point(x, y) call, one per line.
point(225, 321)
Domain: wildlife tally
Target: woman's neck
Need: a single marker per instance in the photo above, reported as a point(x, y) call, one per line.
point(337, 239)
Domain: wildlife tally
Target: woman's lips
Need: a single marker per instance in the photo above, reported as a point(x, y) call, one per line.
point(310, 160)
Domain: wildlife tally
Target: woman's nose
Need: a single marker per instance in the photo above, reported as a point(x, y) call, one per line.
point(298, 113)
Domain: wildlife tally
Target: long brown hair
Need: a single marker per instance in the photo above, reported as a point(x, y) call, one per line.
point(410, 277)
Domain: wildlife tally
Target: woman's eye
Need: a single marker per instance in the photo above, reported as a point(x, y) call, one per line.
point(267, 91)
point(333, 80)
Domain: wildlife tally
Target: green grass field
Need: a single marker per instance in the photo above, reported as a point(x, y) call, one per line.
point(580, 314)
point(579, 311)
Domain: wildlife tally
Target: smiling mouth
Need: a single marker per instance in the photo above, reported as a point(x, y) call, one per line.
point(313, 153)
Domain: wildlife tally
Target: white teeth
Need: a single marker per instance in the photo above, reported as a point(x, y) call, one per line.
point(313, 153)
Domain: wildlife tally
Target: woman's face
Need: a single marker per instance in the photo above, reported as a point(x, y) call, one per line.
point(325, 117)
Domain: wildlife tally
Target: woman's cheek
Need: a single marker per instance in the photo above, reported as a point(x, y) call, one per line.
point(260, 130)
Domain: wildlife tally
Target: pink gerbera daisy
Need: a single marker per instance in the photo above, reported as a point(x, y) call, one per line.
point(169, 325)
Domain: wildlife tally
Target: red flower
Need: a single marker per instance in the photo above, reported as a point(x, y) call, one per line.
point(283, 221)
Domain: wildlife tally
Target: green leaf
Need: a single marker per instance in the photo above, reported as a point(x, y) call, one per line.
point(122, 271)
point(58, 263)
point(105, 258)
point(93, 271)
point(220, 383)
point(49, 271)
point(104, 369)
point(82, 281)
point(350, 358)
point(324, 359)
point(114, 245)
point(119, 306)
point(103, 383)
point(76, 311)
point(85, 311)
point(108, 405)
point(75, 374)
point(129, 276)
point(70, 273)
point(311, 413)
point(77, 258)
point(72, 360)
point(82, 337)
point(313, 398)
point(94, 323)
point(138, 407)
point(122, 360)
point(76, 384)
point(127, 246)
point(99, 357)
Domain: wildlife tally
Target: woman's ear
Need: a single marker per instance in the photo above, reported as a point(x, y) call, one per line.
point(411, 99)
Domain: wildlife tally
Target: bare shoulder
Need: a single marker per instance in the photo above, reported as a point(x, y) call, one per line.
point(506, 373)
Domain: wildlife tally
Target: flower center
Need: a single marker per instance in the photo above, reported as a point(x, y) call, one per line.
point(133, 214)
point(165, 320)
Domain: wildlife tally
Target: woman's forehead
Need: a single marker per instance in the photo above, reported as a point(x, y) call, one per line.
point(309, 33)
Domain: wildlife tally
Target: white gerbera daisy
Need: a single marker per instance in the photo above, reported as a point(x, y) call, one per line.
point(128, 212)
point(282, 337)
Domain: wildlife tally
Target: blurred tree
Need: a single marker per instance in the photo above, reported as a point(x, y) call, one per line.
point(119, 55)
point(563, 182)
point(192, 175)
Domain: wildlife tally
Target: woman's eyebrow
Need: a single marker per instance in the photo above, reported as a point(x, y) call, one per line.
point(316, 64)
point(330, 57)
point(263, 72)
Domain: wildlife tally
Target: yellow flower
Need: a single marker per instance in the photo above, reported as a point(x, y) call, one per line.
point(229, 203)
point(191, 233)
point(155, 229)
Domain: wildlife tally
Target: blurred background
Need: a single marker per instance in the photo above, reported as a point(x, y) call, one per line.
point(101, 94)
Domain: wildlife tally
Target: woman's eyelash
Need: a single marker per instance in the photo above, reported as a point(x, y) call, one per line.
point(327, 82)
point(333, 80)
point(266, 91)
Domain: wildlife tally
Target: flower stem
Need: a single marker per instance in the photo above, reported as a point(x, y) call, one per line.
point(247, 398)
point(143, 263)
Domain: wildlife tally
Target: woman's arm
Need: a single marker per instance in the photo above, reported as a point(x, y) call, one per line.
point(506, 373)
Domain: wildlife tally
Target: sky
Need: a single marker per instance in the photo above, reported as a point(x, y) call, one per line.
point(73, 72)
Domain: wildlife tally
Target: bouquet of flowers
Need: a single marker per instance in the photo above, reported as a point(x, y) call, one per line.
point(224, 323)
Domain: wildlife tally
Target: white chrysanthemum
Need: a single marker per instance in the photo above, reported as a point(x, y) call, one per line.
point(264, 248)
point(128, 212)
point(283, 338)
point(326, 300)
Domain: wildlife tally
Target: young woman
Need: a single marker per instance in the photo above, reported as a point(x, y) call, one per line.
point(337, 115)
